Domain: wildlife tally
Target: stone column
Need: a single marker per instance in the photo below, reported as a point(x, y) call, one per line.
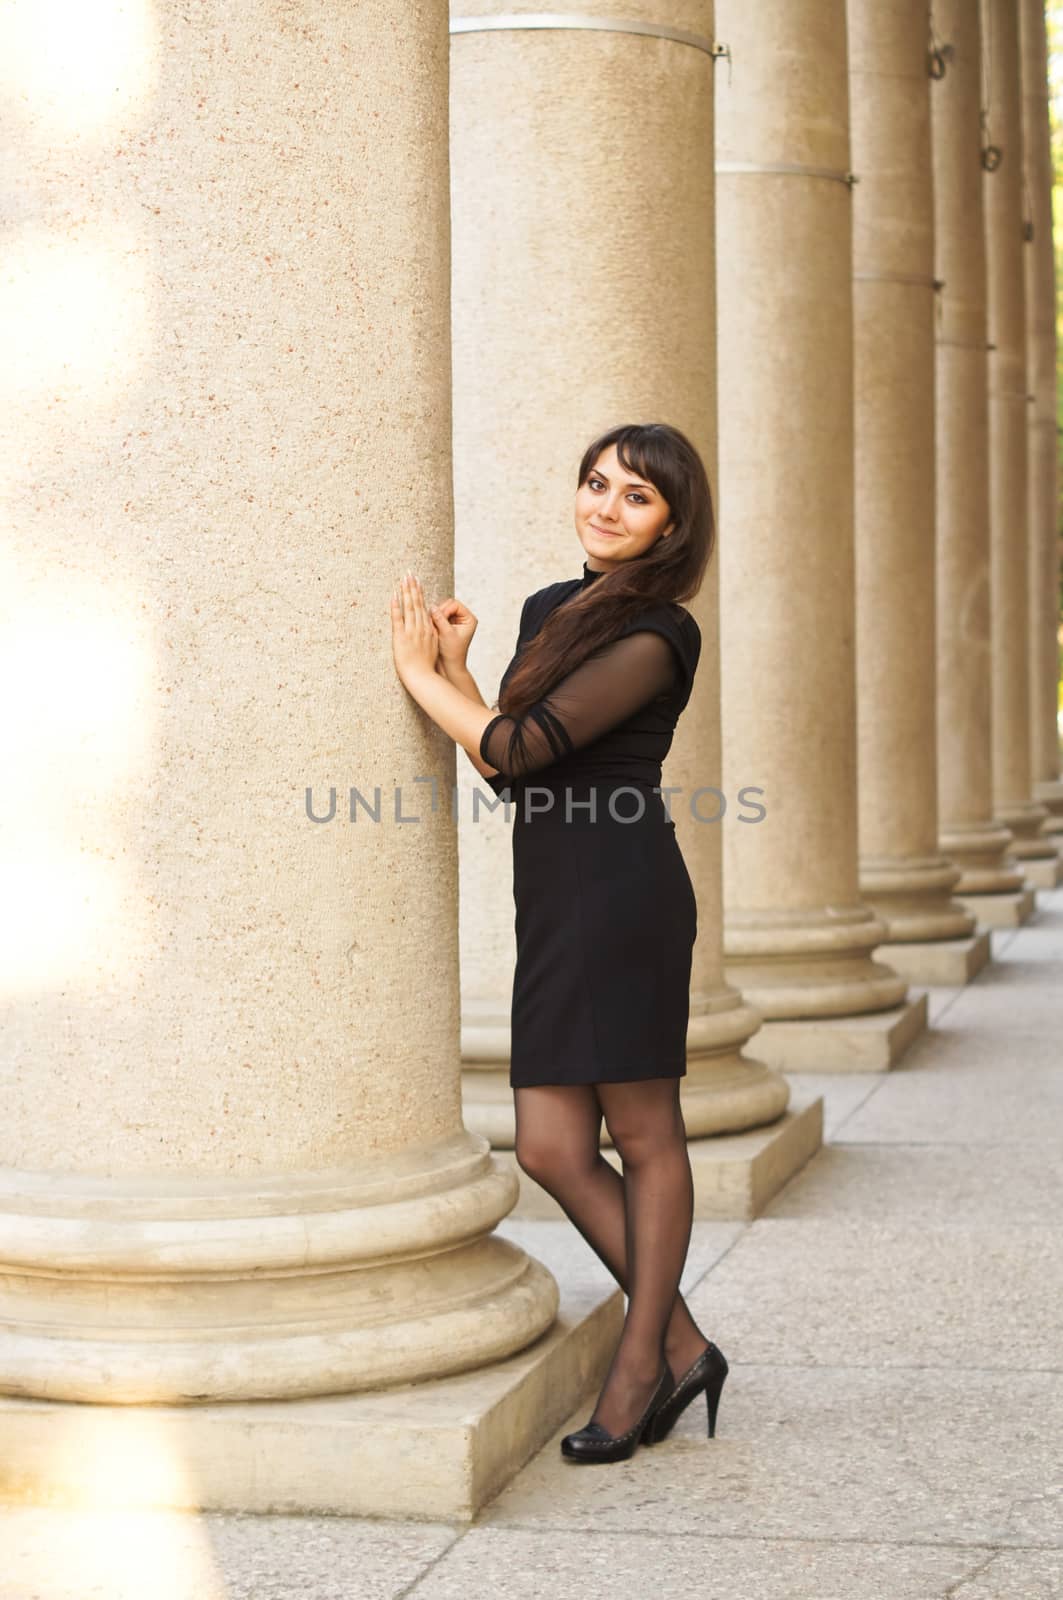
point(798, 937)
point(992, 882)
point(560, 331)
point(232, 1161)
point(903, 874)
point(1042, 427)
point(1008, 498)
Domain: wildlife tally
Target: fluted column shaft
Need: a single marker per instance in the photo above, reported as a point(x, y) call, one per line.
point(970, 832)
point(1042, 426)
point(903, 875)
point(797, 935)
point(1008, 497)
point(561, 331)
point(232, 1163)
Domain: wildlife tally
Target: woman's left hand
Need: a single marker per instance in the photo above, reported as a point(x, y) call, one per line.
point(414, 640)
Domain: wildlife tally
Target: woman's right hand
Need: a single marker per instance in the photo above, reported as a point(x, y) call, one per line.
point(455, 625)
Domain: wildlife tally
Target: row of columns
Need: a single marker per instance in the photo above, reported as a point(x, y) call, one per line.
point(247, 1149)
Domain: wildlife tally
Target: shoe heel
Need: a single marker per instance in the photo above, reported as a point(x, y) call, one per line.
point(712, 1402)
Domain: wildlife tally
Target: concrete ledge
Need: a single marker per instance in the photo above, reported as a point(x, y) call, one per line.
point(941, 962)
point(1046, 873)
point(437, 1450)
point(735, 1174)
point(1009, 910)
point(871, 1042)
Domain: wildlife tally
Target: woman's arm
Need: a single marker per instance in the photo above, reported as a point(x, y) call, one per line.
point(463, 718)
point(415, 644)
point(607, 688)
point(463, 679)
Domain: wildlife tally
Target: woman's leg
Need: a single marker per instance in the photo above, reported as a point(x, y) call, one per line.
point(645, 1120)
point(558, 1133)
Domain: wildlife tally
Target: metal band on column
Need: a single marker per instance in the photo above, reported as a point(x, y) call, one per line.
point(576, 19)
point(920, 281)
point(790, 168)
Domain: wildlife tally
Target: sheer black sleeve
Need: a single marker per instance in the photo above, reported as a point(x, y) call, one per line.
point(603, 691)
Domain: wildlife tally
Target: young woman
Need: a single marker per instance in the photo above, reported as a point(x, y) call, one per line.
point(606, 916)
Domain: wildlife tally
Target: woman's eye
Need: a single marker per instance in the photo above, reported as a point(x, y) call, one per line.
point(641, 498)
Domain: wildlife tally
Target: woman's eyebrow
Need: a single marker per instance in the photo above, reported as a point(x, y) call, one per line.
point(632, 483)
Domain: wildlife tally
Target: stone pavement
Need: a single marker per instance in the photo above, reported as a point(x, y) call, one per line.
point(892, 1425)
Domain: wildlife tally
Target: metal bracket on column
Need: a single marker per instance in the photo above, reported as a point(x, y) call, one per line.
point(899, 277)
point(577, 19)
point(795, 168)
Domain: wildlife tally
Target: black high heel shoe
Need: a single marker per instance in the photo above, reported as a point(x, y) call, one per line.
point(707, 1374)
point(595, 1443)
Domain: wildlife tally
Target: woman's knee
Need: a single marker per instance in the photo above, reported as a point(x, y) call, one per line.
point(551, 1162)
point(557, 1133)
point(638, 1141)
point(533, 1155)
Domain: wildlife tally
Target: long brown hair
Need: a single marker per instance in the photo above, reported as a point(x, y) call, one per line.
point(671, 570)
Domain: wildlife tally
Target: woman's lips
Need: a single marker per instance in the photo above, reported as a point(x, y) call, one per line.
point(604, 532)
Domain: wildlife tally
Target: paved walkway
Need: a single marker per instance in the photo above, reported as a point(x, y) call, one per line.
point(892, 1426)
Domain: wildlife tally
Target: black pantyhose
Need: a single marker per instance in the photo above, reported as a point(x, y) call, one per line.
point(638, 1224)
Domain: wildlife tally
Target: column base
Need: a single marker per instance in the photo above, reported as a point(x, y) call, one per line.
point(943, 961)
point(867, 1043)
point(1001, 910)
point(980, 850)
point(810, 964)
point(1046, 874)
point(1026, 823)
point(735, 1174)
point(1049, 793)
point(913, 897)
point(273, 1286)
point(437, 1450)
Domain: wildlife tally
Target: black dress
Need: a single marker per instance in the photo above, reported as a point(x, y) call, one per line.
point(606, 916)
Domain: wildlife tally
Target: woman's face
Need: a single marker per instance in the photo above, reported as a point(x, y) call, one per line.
point(618, 514)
